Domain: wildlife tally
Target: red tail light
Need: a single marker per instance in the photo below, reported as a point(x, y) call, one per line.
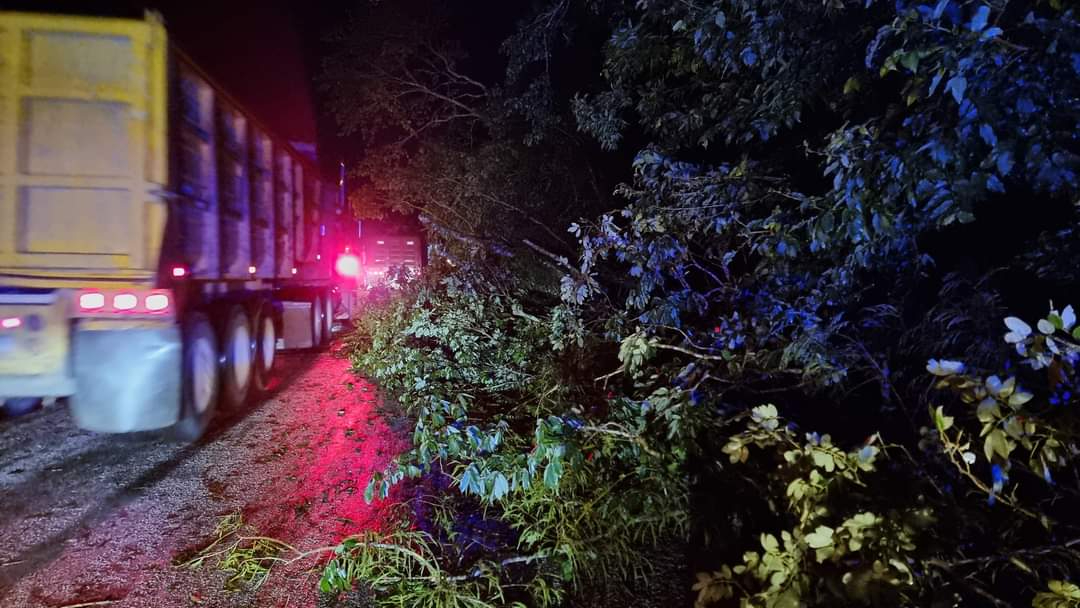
point(106, 303)
point(179, 272)
point(11, 323)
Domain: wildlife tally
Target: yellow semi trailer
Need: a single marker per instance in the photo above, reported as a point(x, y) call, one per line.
point(157, 244)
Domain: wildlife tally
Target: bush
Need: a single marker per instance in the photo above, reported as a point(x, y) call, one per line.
point(781, 346)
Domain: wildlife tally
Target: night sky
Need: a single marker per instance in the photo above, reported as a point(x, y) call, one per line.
point(266, 53)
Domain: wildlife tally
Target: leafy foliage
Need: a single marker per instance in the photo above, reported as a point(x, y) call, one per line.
point(828, 215)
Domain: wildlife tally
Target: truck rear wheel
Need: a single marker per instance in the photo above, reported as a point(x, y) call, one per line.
point(265, 348)
point(198, 399)
point(19, 405)
point(317, 314)
point(328, 318)
point(238, 348)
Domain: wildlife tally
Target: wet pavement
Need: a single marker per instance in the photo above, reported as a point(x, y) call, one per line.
point(100, 520)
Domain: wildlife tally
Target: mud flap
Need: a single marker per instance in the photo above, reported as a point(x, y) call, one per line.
point(127, 378)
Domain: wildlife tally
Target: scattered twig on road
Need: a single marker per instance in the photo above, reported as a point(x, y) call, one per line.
point(88, 604)
point(14, 563)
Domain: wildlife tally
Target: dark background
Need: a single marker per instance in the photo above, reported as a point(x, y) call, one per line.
point(267, 53)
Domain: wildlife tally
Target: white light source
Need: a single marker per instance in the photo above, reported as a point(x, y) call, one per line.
point(157, 302)
point(91, 301)
point(348, 265)
point(125, 301)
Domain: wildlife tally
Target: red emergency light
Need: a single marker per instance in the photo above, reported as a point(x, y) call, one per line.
point(348, 265)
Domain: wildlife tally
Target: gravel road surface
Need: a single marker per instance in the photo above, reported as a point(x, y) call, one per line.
point(100, 520)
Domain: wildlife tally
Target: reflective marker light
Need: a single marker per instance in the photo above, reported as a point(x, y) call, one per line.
point(318, 256)
point(294, 270)
point(348, 265)
point(410, 243)
point(92, 301)
point(11, 322)
point(251, 270)
point(179, 271)
point(157, 302)
point(125, 301)
point(381, 242)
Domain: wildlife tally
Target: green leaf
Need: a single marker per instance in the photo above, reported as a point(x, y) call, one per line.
point(820, 537)
point(996, 443)
point(910, 61)
point(1019, 398)
point(1065, 589)
point(500, 487)
point(567, 570)
point(988, 410)
point(788, 599)
point(553, 473)
point(1021, 565)
point(470, 482)
point(957, 85)
point(824, 460)
point(765, 416)
point(941, 421)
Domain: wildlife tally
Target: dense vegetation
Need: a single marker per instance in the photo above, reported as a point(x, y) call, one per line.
point(815, 348)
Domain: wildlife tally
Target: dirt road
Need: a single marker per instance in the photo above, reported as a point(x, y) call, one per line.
point(98, 520)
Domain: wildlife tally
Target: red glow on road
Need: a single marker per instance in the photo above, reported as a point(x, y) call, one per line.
point(295, 467)
point(338, 442)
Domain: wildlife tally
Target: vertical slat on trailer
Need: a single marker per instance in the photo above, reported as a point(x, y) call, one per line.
point(197, 179)
point(299, 219)
point(262, 201)
point(283, 215)
point(235, 205)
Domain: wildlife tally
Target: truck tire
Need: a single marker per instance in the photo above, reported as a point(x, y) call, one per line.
point(316, 321)
point(265, 349)
point(238, 358)
point(200, 378)
point(18, 406)
point(328, 318)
